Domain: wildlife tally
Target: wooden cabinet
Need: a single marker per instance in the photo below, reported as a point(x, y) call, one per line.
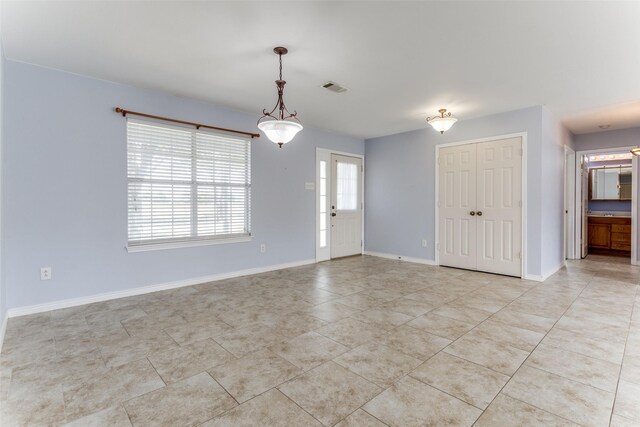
point(609, 235)
point(599, 235)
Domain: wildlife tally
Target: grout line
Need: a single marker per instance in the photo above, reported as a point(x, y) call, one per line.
point(369, 413)
point(157, 373)
point(615, 397)
point(370, 272)
point(225, 390)
point(534, 349)
point(295, 403)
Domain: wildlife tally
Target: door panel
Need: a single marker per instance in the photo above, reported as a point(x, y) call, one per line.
point(600, 235)
point(499, 175)
point(346, 206)
point(480, 213)
point(457, 193)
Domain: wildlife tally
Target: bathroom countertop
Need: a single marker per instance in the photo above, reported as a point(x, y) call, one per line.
point(610, 215)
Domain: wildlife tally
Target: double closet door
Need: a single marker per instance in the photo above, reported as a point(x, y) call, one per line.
point(480, 206)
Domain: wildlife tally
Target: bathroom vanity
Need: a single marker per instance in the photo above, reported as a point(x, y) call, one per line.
point(609, 235)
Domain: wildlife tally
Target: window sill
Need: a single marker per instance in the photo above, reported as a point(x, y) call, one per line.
point(187, 244)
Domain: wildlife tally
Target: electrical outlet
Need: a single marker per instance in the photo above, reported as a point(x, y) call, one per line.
point(263, 248)
point(45, 273)
point(424, 243)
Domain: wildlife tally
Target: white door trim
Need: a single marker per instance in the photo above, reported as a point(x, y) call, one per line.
point(569, 202)
point(523, 136)
point(634, 200)
point(322, 154)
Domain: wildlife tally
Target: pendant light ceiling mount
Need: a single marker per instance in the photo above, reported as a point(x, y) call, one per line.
point(280, 50)
point(279, 124)
point(443, 122)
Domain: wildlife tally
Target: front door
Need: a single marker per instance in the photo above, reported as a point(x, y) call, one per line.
point(346, 206)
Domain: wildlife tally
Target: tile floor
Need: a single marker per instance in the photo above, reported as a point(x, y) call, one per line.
point(360, 341)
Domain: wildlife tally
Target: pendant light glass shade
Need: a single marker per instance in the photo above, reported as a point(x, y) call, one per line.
point(443, 122)
point(279, 124)
point(280, 131)
point(635, 151)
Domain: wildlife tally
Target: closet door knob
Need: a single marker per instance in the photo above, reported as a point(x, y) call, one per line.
point(472, 213)
point(479, 213)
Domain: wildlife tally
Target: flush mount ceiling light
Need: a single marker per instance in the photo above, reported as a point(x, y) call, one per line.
point(443, 122)
point(283, 126)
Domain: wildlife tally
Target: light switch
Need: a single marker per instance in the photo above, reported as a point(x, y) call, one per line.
point(309, 185)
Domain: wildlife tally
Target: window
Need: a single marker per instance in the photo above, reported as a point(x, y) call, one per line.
point(347, 186)
point(323, 204)
point(186, 185)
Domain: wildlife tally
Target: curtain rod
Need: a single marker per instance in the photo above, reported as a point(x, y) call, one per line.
point(197, 125)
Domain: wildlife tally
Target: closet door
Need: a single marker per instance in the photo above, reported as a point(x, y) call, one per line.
point(457, 203)
point(498, 206)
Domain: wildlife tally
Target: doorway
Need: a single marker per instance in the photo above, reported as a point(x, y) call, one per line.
point(605, 203)
point(480, 205)
point(339, 204)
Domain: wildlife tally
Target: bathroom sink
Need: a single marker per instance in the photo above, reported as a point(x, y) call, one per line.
point(614, 214)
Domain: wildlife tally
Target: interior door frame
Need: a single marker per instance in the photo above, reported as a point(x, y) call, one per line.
point(634, 200)
point(324, 254)
point(523, 211)
point(569, 202)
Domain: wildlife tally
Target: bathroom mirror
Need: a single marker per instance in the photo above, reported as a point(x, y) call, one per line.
point(610, 183)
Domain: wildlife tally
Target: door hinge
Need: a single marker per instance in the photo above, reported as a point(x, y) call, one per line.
point(361, 168)
point(361, 243)
point(519, 255)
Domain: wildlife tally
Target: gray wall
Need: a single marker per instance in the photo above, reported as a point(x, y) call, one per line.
point(400, 185)
point(551, 183)
point(65, 189)
point(607, 139)
point(3, 287)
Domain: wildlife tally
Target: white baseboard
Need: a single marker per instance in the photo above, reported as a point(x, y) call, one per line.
point(400, 258)
point(72, 302)
point(543, 277)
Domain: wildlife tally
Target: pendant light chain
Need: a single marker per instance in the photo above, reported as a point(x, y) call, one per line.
point(281, 91)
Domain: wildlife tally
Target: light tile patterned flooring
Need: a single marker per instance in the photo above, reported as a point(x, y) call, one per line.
point(360, 341)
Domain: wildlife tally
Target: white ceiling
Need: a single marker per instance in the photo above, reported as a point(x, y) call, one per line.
point(401, 61)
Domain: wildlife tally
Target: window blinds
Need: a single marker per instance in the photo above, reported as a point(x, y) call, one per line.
point(186, 184)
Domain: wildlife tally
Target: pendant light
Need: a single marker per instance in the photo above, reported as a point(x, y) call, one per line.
point(443, 122)
point(636, 151)
point(283, 126)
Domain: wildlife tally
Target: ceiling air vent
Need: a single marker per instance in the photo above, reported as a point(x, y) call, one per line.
point(334, 87)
